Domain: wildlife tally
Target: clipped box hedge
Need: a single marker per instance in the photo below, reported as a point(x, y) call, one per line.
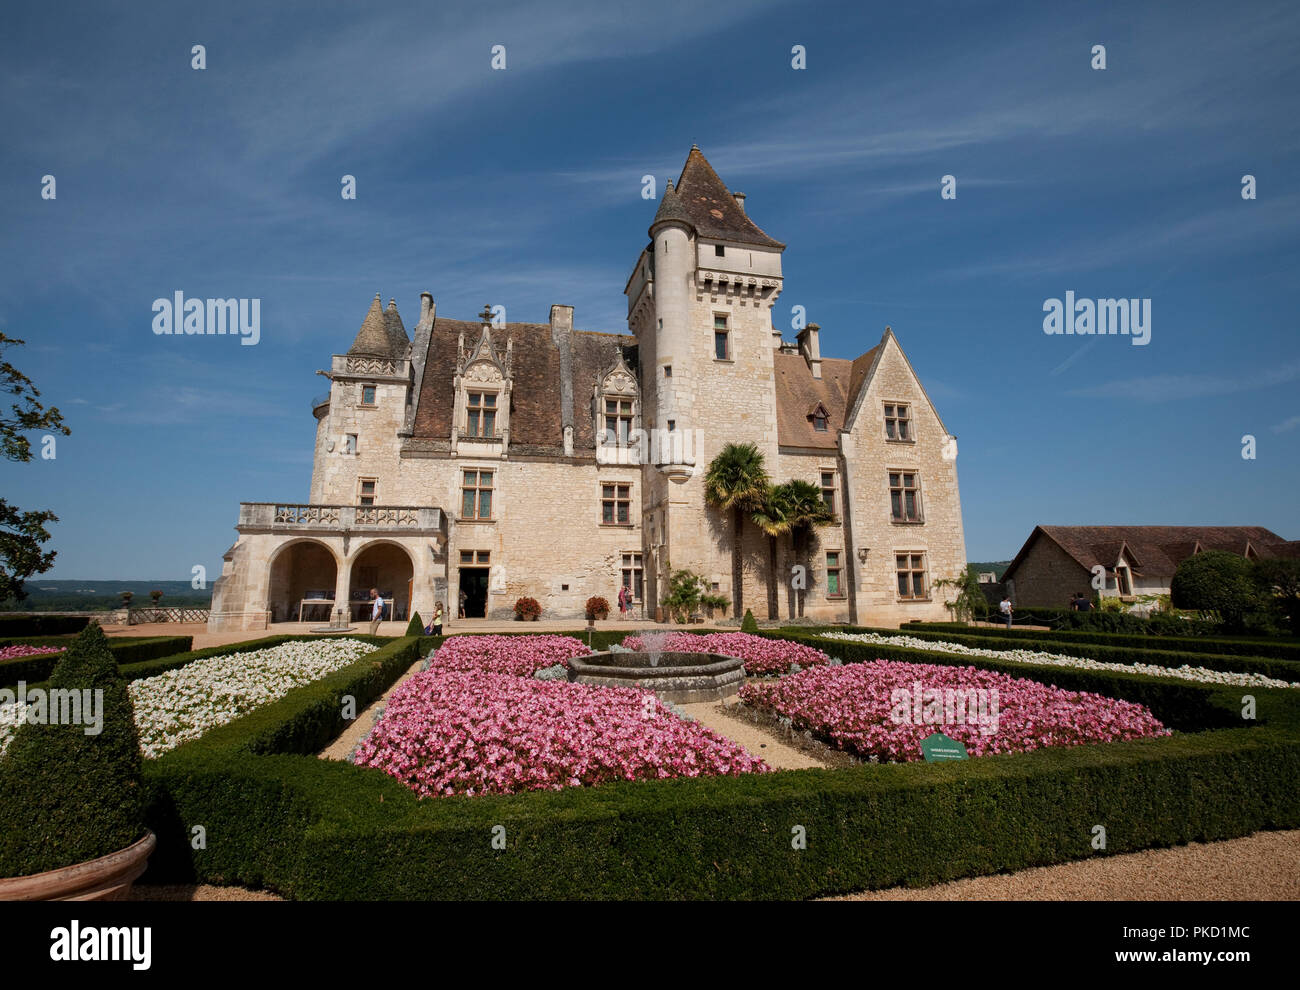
point(1281, 649)
point(42, 625)
point(1285, 670)
point(127, 651)
point(277, 817)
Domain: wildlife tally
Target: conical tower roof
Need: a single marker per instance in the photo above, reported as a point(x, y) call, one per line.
point(670, 208)
point(398, 341)
point(709, 206)
point(373, 339)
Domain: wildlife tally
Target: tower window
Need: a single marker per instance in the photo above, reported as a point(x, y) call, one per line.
point(668, 371)
point(369, 491)
point(367, 395)
point(721, 338)
point(719, 251)
point(350, 447)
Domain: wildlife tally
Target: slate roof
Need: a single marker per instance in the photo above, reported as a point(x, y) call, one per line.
point(373, 338)
point(1152, 551)
point(701, 199)
point(538, 395)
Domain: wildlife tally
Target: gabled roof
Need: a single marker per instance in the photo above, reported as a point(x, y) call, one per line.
point(1153, 551)
point(702, 200)
point(798, 394)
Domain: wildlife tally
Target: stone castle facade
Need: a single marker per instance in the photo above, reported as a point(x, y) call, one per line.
point(503, 460)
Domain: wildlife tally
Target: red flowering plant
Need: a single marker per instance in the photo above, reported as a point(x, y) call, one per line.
point(528, 609)
point(883, 709)
point(450, 732)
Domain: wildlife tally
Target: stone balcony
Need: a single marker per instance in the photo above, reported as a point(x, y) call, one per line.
point(291, 517)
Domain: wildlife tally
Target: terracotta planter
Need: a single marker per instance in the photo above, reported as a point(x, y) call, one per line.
point(107, 878)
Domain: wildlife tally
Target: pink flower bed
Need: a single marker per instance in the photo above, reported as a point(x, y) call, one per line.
point(522, 656)
point(762, 656)
point(22, 650)
point(866, 709)
point(451, 732)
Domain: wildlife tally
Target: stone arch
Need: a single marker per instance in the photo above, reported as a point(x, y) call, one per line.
point(300, 568)
point(387, 565)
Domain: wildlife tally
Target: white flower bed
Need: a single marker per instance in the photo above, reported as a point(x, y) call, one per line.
point(181, 705)
point(1185, 672)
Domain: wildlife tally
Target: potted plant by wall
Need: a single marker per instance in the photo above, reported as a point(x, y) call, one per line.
point(528, 609)
point(71, 799)
point(154, 596)
point(716, 603)
point(597, 607)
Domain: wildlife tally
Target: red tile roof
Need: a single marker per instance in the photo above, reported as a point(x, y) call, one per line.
point(1153, 551)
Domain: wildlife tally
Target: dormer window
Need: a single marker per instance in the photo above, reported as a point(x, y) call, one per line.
point(820, 418)
point(481, 415)
point(618, 421)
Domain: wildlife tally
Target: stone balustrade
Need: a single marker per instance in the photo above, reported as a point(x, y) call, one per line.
point(321, 518)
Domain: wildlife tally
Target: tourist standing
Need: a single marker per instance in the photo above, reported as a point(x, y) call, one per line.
point(376, 611)
point(1006, 608)
point(463, 599)
point(437, 619)
point(622, 601)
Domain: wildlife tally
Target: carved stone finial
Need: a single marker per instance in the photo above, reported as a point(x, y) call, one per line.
point(486, 315)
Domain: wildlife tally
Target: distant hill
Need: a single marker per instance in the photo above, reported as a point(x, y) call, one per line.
point(998, 567)
point(101, 596)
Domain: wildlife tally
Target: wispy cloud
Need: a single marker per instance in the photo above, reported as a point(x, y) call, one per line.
point(1171, 388)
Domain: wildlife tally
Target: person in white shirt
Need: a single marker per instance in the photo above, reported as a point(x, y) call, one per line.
point(1007, 608)
point(376, 612)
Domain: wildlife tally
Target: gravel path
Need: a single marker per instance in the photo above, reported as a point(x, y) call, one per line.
point(757, 740)
point(363, 723)
point(1260, 867)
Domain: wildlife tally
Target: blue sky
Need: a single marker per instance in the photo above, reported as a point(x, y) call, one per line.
point(523, 187)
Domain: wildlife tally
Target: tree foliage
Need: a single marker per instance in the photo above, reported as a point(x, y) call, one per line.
point(22, 533)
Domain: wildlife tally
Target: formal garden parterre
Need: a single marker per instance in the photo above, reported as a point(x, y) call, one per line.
point(705, 820)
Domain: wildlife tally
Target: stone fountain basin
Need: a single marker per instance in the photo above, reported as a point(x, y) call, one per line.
point(682, 678)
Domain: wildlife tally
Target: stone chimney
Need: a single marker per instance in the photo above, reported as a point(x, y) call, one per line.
point(426, 308)
point(810, 348)
point(739, 197)
point(562, 337)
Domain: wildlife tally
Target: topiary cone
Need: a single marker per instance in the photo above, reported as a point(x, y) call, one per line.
point(67, 797)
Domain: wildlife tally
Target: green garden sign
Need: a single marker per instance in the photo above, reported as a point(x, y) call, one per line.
point(938, 748)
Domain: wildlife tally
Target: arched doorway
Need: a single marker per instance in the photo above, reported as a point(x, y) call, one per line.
point(301, 572)
point(386, 567)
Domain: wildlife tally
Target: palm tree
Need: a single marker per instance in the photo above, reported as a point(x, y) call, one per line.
point(737, 482)
point(773, 518)
point(805, 508)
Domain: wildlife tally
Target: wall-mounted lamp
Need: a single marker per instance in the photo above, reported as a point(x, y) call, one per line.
point(862, 554)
